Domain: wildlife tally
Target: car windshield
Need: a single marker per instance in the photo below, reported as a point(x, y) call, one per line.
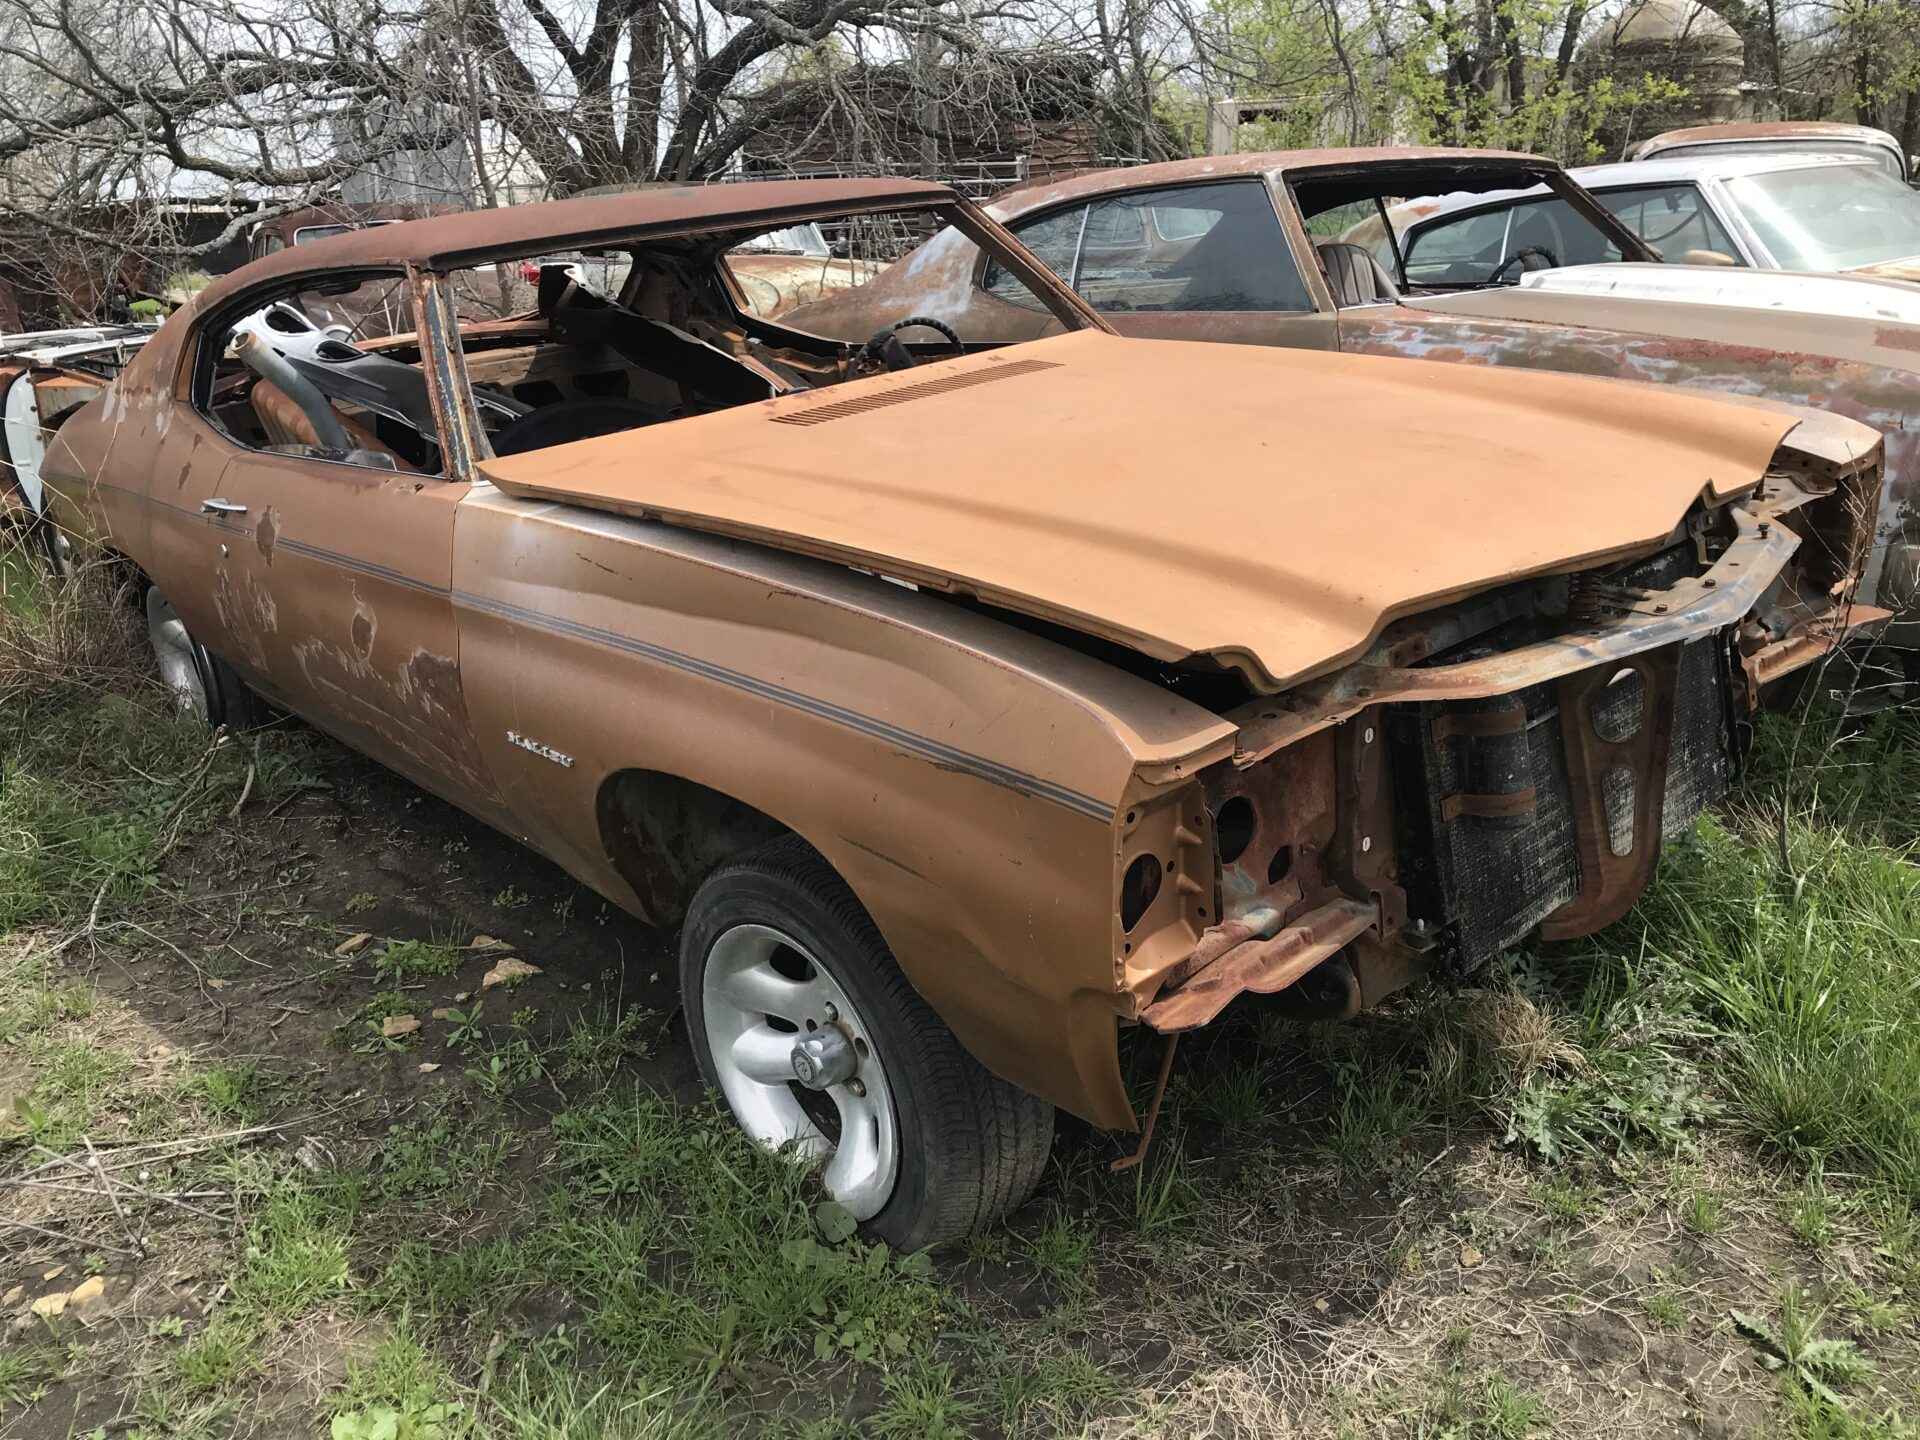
point(1830, 217)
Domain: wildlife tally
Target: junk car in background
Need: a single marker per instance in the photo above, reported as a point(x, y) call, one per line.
point(1780, 137)
point(45, 376)
point(1815, 212)
point(1279, 250)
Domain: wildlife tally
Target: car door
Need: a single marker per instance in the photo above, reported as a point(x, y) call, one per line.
point(332, 580)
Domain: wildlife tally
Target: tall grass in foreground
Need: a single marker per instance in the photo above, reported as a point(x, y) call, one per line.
point(1769, 981)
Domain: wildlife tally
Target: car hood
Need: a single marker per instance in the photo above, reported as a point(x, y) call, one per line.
point(1270, 508)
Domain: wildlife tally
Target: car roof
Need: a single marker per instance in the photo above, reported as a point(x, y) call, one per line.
point(1275, 163)
point(1747, 131)
point(1726, 166)
point(446, 241)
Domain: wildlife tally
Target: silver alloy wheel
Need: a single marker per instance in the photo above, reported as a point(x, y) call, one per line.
point(173, 652)
point(741, 991)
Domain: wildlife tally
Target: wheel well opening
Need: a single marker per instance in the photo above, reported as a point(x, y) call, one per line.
point(666, 834)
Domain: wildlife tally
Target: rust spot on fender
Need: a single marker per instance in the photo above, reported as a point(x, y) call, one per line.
point(364, 625)
point(1898, 337)
point(1755, 355)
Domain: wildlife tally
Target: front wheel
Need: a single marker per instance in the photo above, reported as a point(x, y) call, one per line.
point(801, 1019)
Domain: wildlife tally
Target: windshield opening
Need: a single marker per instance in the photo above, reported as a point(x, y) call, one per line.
point(1834, 217)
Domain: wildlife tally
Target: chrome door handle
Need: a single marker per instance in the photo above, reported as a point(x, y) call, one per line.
point(221, 507)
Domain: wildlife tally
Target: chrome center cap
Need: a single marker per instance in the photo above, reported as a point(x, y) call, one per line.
point(824, 1059)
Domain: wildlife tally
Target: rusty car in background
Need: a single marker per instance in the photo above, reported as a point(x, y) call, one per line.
point(1780, 137)
point(45, 376)
point(1277, 249)
point(795, 266)
point(965, 703)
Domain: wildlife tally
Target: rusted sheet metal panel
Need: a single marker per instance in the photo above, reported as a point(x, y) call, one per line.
point(1809, 642)
point(1338, 548)
point(1261, 967)
point(774, 284)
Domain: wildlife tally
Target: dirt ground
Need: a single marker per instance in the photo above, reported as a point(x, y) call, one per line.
point(1317, 1247)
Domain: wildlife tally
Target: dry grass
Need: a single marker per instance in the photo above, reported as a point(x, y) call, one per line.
point(79, 637)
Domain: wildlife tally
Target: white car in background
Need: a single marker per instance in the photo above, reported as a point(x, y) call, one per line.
point(1823, 213)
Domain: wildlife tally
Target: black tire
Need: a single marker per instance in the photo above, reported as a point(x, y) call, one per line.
point(972, 1147)
point(230, 697)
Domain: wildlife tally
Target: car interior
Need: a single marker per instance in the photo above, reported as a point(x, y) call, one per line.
point(568, 362)
point(1478, 248)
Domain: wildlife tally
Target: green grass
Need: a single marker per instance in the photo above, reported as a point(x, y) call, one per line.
point(1813, 995)
point(26, 1369)
point(23, 595)
point(413, 959)
point(1061, 1248)
point(220, 1356)
point(233, 1091)
point(437, 1160)
point(598, 1044)
point(757, 1275)
point(296, 1253)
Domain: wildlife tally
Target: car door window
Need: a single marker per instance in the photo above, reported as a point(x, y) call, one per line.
point(1186, 248)
point(1054, 239)
point(1464, 249)
point(1227, 252)
point(1471, 249)
point(1674, 219)
point(286, 375)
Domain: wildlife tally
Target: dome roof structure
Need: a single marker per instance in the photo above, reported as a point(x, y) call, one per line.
point(1672, 22)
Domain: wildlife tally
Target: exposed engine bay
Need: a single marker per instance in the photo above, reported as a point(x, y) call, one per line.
point(1502, 767)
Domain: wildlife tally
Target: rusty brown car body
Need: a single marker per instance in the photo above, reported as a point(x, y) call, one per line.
point(1088, 682)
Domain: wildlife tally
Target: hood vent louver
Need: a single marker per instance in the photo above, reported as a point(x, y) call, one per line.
point(918, 390)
